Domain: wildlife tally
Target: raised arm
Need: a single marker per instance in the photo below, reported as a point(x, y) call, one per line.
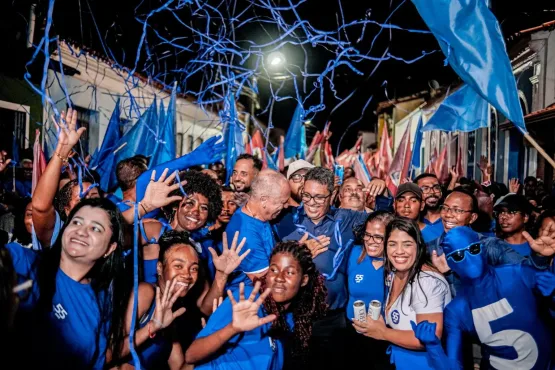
point(244, 318)
point(225, 264)
point(43, 198)
point(207, 152)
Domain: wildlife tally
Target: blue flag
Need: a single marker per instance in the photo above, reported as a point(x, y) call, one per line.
point(470, 37)
point(111, 137)
point(165, 149)
point(295, 140)
point(233, 134)
point(415, 160)
point(464, 110)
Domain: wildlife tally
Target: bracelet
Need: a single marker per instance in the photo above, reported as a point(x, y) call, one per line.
point(143, 207)
point(64, 160)
point(150, 335)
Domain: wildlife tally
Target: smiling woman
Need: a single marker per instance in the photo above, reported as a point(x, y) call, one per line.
point(79, 297)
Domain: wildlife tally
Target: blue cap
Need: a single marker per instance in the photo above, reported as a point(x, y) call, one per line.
point(459, 238)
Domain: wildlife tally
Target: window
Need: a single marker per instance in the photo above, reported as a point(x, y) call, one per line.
point(14, 120)
point(88, 119)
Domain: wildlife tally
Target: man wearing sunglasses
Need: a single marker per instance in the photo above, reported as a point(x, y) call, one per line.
point(501, 306)
point(296, 173)
point(460, 209)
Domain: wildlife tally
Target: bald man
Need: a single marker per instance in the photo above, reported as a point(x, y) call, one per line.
point(269, 194)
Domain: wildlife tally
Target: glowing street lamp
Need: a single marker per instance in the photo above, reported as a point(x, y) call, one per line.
point(276, 59)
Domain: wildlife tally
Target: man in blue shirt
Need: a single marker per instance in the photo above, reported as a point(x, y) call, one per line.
point(317, 218)
point(432, 195)
point(269, 195)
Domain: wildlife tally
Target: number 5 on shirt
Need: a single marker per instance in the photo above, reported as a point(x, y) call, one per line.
point(523, 343)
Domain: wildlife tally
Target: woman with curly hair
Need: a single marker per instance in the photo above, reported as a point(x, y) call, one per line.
point(250, 333)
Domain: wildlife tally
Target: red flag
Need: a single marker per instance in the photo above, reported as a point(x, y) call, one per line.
point(401, 162)
point(460, 169)
point(384, 155)
point(39, 161)
point(431, 165)
point(441, 166)
point(281, 154)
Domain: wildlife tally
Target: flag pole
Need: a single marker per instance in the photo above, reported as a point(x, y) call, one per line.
point(540, 150)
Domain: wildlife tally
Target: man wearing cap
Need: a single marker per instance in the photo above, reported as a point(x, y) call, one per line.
point(512, 212)
point(408, 203)
point(295, 175)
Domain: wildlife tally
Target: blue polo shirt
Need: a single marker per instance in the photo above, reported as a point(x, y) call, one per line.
point(260, 240)
point(364, 281)
point(432, 230)
point(345, 220)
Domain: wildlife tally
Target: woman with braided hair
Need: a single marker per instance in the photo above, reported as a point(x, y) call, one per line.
point(251, 333)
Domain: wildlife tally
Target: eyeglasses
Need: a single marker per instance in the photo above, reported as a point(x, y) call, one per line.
point(508, 214)
point(378, 239)
point(458, 256)
point(456, 211)
point(428, 189)
point(297, 178)
point(318, 199)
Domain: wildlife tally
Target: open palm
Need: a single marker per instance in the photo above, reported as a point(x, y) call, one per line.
point(230, 259)
point(544, 244)
point(245, 312)
point(68, 134)
point(163, 313)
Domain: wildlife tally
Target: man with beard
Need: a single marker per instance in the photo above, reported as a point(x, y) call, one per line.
point(431, 217)
point(352, 195)
point(512, 212)
point(295, 175)
point(245, 170)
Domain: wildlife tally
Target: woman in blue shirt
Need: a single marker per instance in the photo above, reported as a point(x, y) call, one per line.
point(248, 334)
point(79, 297)
point(365, 282)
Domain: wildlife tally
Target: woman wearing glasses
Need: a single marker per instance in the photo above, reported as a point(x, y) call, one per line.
point(416, 291)
point(365, 282)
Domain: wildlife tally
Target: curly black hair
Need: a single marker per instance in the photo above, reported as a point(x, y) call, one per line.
point(63, 196)
point(200, 183)
point(308, 306)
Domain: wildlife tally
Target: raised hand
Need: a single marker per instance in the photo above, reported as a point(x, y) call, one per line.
point(544, 244)
point(215, 304)
point(4, 161)
point(514, 186)
point(426, 332)
point(163, 314)
point(230, 258)
point(68, 134)
point(376, 187)
point(157, 192)
point(245, 312)
point(454, 174)
point(440, 262)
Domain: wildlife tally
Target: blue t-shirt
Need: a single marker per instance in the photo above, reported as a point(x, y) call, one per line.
point(432, 230)
point(523, 249)
point(72, 335)
point(260, 240)
point(252, 350)
point(364, 281)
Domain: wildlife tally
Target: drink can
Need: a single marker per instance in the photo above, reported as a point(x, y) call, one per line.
point(359, 308)
point(375, 309)
point(339, 171)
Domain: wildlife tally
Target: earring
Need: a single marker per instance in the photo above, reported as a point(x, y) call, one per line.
point(105, 255)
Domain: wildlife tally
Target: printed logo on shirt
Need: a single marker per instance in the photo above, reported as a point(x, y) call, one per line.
point(272, 344)
point(59, 311)
point(359, 278)
point(395, 317)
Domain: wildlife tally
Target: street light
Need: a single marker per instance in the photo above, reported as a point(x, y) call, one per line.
point(276, 59)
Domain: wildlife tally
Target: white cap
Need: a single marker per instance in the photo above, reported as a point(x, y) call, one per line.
point(297, 165)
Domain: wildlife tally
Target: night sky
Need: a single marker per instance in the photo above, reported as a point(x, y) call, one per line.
point(87, 22)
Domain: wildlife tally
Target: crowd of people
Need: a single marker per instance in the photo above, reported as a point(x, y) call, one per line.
point(296, 270)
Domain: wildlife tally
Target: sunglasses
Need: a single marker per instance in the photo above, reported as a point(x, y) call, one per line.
point(458, 256)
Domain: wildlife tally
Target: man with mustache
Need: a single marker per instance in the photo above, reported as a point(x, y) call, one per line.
point(432, 195)
point(246, 168)
point(352, 195)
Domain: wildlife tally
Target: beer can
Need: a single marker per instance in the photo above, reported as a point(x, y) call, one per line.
point(375, 309)
point(359, 308)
